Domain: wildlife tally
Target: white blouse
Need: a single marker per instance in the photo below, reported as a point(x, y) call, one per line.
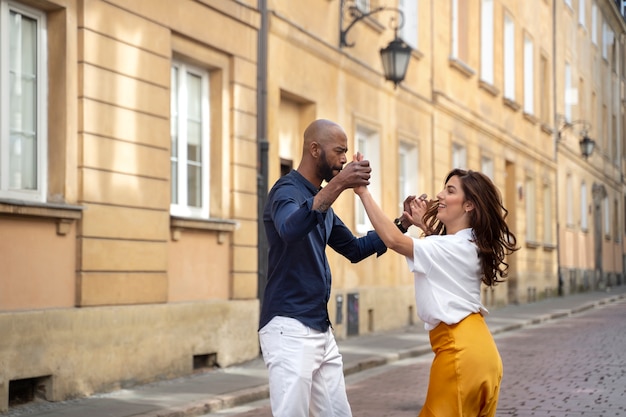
point(447, 278)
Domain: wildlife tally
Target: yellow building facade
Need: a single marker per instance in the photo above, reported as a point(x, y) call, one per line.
point(137, 148)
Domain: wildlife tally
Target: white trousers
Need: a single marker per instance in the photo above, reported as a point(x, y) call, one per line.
point(305, 370)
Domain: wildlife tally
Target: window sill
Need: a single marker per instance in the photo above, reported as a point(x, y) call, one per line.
point(511, 104)
point(178, 224)
point(549, 247)
point(63, 214)
point(546, 128)
point(490, 88)
point(532, 244)
point(462, 67)
point(531, 118)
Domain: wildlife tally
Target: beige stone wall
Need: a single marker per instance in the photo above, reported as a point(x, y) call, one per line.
point(38, 265)
point(154, 290)
point(99, 349)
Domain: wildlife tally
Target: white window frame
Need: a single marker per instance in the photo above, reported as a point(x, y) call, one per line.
point(547, 214)
point(408, 172)
point(569, 93)
point(486, 41)
point(509, 58)
point(455, 29)
point(39, 192)
point(181, 208)
point(569, 200)
point(584, 225)
point(367, 141)
point(486, 166)
point(607, 216)
point(459, 156)
point(594, 23)
point(531, 214)
point(605, 50)
point(409, 31)
point(581, 12)
point(529, 76)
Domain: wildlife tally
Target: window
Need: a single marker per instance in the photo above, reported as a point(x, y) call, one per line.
point(581, 98)
point(547, 214)
point(581, 12)
point(509, 58)
point(569, 198)
point(607, 40)
point(459, 156)
point(583, 207)
point(368, 143)
point(569, 93)
point(607, 216)
point(23, 108)
point(531, 217)
point(408, 172)
point(486, 41)
point(189, 141)
point(486, 166)
point(460, 30)
point(594, 23)
point(616, 228)
point(544, 90)
point(529, 76)
point(409, 32)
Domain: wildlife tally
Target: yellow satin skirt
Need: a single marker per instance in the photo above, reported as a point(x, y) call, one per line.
point(466, 372)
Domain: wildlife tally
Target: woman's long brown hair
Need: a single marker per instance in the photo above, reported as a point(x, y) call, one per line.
point(487, 219)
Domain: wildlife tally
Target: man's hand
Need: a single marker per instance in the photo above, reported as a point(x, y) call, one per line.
point(355, 174)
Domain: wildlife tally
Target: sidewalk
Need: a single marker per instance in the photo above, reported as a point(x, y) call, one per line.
point(229, 387)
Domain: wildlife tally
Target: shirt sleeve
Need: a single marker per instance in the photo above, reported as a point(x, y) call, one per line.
point(293, 220)
point(422, 256)
point(355, 248)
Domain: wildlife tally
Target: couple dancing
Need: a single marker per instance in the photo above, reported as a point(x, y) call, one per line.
point(465, 241)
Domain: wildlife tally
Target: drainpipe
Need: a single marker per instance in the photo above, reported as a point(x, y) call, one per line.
point(556, 152)
point(262, 148)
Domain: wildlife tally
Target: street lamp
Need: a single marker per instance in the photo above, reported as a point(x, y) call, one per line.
point(587, 144)
point(395, 56)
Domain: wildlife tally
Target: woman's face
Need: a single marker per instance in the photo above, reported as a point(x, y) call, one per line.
point(452, 206)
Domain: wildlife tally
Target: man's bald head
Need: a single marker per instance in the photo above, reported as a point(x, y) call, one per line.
point(321, 131)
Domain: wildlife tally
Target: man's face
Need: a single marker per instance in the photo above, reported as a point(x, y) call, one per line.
point(332, 158)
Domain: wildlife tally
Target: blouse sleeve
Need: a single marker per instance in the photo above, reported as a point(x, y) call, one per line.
point(422, 256)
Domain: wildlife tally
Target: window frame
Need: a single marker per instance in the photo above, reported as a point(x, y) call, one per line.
point(39, 194)
point(178, 208)
point(367, 141)
point(529, 75)
point(487, 41)
point(509, 57)
point(410, 27)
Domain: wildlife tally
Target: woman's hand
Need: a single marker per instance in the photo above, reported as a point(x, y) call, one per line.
point(418, 207)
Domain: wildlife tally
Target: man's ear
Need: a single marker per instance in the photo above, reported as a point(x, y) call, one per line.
point(315, 149)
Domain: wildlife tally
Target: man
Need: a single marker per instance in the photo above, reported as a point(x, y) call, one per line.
point(298, 346)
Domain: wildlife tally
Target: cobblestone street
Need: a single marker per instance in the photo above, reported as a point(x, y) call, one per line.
point(574, 366)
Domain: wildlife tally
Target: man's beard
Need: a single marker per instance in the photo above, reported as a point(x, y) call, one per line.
point(325, 170)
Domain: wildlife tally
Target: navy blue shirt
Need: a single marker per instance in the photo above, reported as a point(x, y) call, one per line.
point(299, 279)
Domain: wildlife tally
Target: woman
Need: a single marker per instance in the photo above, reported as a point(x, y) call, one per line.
point(466, 241)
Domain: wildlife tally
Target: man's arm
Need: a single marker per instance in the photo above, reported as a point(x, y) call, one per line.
point(354, 174)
